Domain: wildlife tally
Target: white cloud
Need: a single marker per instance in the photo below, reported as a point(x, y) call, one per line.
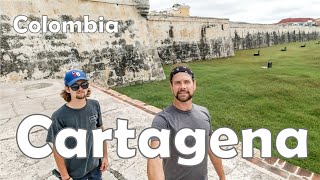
point(254, 11)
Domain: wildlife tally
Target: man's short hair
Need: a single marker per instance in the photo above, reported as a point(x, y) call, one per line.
point(178, 69)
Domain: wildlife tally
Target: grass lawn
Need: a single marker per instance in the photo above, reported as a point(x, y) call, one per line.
point(240, 94)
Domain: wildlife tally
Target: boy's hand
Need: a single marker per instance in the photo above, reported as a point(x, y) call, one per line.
point(104, 164)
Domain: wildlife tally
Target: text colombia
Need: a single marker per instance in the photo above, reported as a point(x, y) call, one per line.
point(22, 24)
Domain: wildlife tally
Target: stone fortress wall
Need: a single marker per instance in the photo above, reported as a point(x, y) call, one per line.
point(247, 36)
point(183, 39)
point(111, 59)
point(133, 55)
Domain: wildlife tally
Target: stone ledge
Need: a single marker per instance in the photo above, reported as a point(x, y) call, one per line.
point(272, 164)
point(134, 102)
point(282, 168)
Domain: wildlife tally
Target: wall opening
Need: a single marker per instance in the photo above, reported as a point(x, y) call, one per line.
point(171, 32)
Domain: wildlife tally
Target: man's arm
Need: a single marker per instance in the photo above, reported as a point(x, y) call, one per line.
point(154, 166)
point(61, 165)
point(105, 161)
point(217, 163)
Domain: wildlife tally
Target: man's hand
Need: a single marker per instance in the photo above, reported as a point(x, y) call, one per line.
point(154, 166)
point(217, 163)
point(104, 164)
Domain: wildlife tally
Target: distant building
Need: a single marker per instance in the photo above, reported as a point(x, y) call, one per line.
point(299, 22)
point(180, 10)
point(175, 10)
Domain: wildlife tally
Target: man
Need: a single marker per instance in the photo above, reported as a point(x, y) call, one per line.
point(78, 113)
point(182, 114)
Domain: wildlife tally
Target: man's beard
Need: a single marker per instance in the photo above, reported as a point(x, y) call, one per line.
point(185, 99)
point(81, 96)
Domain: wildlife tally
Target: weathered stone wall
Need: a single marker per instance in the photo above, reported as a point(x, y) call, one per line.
point(248, 36)
point(183, 39)
point(134, 54)
point(110, 59)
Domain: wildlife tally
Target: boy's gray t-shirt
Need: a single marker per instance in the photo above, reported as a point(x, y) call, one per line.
point(174, 119)
point(87, 118)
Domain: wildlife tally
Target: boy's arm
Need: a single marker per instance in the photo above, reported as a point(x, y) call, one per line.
point(105, 161)
point(61, 165)
point(217, 163)
point(154, 166)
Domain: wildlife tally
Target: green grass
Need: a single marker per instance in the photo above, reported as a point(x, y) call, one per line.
point(240, 94)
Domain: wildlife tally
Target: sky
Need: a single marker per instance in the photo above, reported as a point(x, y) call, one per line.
point(251, 11)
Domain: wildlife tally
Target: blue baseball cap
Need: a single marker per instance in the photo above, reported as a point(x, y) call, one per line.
point(73, 76)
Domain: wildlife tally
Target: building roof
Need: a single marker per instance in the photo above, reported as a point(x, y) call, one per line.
point(292, 20)
point(180, 5)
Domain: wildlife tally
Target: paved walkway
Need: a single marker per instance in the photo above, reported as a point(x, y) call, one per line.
point(19, 100)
